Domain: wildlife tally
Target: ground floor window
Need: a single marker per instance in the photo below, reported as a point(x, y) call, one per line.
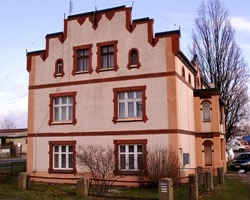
point(62, 156)
point(130, 156)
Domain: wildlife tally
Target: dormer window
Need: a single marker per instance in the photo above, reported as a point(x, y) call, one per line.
point(82, 59)
point(133, 59)
point(107, 56)
point(59, 71)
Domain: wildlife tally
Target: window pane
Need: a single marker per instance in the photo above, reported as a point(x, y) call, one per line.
point(56, 114)
point(130, 109)
point(70, 148)
point(63, 148)
point(138, 94)
point(121, 110)
point(122, 148)
point(131, 148)
point(70, 116)
point(56, 101)
point(139, 109)
point(56, 161)
point(111, 61)
point(139, 148)
point(63, 161)
point(56, 148)
point(131, 161)
point(63, 109)
point(122, 161)
point(121, 95)
point(64, 100)
point(130, 95)
point(206, 111)
point(70, 162)
point(104, 62)
point(140, 161)
point(133, 57)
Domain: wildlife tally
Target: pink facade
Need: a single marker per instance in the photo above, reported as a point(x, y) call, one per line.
point(109, 80)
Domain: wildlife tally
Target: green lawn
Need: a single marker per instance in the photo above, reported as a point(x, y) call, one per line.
point(233, 189)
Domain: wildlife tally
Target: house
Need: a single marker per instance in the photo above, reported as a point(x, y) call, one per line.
point(13, 139)
point(110, 80)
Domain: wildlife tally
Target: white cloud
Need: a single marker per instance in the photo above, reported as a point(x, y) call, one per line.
point(241, 23)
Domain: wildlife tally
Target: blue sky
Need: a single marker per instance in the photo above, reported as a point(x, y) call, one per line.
point(24, 25)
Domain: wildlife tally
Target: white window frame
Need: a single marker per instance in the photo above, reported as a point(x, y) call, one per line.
point(68, 106)
point(60, 155)
point(126, 101)
point(135, 153)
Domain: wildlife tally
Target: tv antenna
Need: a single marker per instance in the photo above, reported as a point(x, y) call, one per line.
point(70, 7)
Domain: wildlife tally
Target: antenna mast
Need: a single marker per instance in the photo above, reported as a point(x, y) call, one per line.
point(70, 7)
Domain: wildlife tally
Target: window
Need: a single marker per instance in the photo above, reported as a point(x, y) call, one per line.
point(133, 59)
point(130, 156)
point(82, 59)
point(62, 157)
point(183, 72)
point(208, 152)
point(62, 108)
point(206, 111)
point(59, 71)
point(107, 56)
point(130, 104)
point(189, 78)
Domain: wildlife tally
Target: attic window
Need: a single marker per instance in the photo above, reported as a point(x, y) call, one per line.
point(59, 71)
point(183, 72)
point(133, 59)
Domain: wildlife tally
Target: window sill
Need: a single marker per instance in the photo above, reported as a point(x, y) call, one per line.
point(60, 171)
point(61, 122)
point(107, 69)
point(206, 120)
point(129, 119)
point(81, 72)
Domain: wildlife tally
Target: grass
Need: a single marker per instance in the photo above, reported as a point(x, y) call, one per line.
point(233, 189)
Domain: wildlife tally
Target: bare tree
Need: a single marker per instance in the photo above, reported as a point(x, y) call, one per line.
point(99, 161)
point(162, 162)
point(7, 123)
point(221, 61)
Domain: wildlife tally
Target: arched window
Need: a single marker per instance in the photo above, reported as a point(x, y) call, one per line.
point(208, 152)
point(189, 78)
point(183, 72)
point(59, 71)
point(133, 59)
point(197, 83)
point(206, 111)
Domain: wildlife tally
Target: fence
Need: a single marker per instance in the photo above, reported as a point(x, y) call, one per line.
point(188, 187)
point(12, 167)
